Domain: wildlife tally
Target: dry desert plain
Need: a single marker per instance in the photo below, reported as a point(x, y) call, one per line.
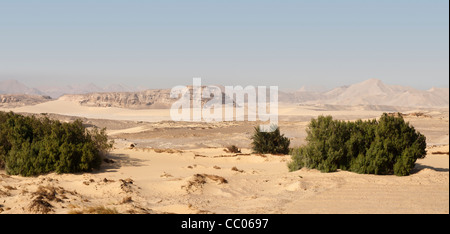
point(181, 167)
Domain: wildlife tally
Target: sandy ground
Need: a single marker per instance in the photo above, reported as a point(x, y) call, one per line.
point(181, 167)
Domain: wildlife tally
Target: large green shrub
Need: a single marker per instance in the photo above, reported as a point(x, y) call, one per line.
point(31, 146)
point(271, 142)
point(387, 146)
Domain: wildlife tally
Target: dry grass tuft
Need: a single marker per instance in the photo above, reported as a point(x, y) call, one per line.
point(8, 187)
point(44, 195)
point(236, 169)
point(199, 180)
point(4, 193)
point(95, 210)
point(126, 185)
point(232, 149)
point(127, 200)
point(169, 151)
point(40, 205)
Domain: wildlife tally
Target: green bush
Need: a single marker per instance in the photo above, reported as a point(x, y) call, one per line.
point(30, 146)
point(270, 142)
point(387, 146)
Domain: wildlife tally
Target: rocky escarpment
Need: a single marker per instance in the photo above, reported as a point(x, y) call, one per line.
point(136, 100)
point(148, 99)
point(18, 100)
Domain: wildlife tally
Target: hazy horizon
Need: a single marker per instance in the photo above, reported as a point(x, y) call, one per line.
point(161, 44)
point(82, 88)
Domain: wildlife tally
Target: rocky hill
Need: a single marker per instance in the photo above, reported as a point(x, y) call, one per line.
point(133, 100)
point(148, 99)
point(18, 100)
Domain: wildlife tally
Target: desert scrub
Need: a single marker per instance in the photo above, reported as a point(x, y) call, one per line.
point(95, 210)
point(32, 146)
point(270, 142)
point(387, 146)
point(232, 149)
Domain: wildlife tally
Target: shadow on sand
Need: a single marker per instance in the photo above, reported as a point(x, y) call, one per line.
point(116, 161)
point(420, 167)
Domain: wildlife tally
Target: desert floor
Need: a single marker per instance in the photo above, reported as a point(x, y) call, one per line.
point(181, 167)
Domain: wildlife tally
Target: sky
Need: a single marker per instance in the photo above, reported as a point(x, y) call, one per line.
point(164, 43)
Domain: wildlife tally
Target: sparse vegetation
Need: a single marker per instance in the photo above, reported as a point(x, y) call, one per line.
point(169, 151)
point(236, 169)
point(232, 149)
point(95, 210)
point(32, 146)
point(387, 146)
point(270, 142)
point(46, 194)
point(198, 180)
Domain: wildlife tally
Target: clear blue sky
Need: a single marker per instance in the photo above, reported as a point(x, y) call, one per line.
point(160, 44)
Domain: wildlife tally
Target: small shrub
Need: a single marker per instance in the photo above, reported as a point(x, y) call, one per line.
point(387, 146)
point(32, 146)
point(270, 142)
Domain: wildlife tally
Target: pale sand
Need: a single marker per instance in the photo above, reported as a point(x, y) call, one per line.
point(71, 108)
point(191, 177)
point(286, 111)
point(262, 184)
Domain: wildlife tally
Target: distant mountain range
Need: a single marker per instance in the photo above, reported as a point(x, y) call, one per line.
point(369, 92)
point(15, 87)
point(372, 92)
